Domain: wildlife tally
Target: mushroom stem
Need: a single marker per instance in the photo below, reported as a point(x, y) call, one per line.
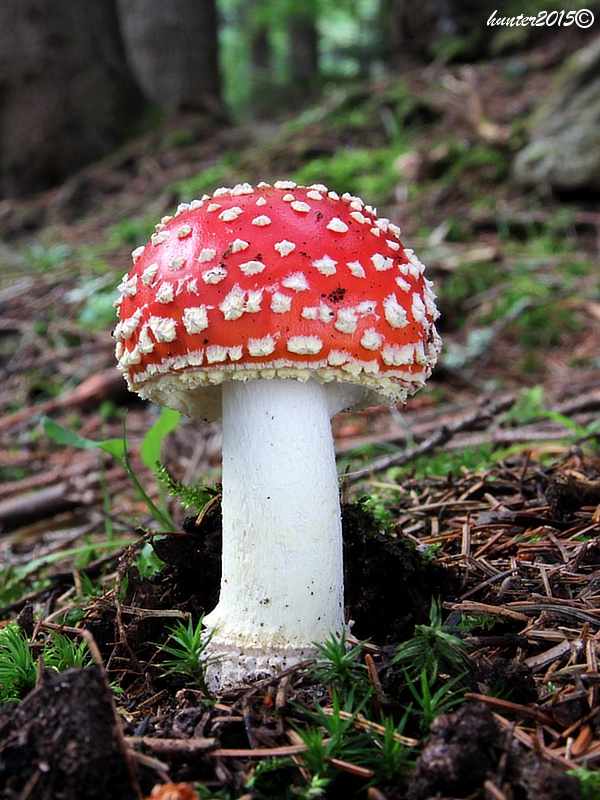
point(282, 572)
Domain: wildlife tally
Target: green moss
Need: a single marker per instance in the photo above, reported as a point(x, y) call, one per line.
point(456, 158)
point(207, 181)
point(460, 288)
point(367, 173)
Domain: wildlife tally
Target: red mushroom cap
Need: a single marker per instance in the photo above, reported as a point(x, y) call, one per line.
point(274, 281)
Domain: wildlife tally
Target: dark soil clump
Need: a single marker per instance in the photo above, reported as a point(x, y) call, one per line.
point(389, 585)
point(63, 741)
point(467, 749)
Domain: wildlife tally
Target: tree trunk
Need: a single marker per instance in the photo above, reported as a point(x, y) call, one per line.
point(173, 49)
point(304, 46)
point(66, 94)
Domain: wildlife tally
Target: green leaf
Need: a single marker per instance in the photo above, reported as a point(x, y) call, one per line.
point(60, 435)
point(152, 442)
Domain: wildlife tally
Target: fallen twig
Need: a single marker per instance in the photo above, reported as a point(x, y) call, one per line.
point(482, 414)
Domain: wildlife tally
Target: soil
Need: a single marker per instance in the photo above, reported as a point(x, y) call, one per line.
point(513, 548)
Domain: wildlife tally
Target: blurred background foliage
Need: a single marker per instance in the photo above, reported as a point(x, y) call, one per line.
point(79, 79)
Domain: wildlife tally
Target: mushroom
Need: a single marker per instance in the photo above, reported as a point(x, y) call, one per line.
point(273, 308)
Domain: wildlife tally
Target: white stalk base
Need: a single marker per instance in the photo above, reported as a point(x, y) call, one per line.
point(282, 572)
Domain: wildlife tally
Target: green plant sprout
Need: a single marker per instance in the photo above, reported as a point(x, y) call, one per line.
point(334, 736)
point(118, 449)
point(186, 646)
point(196, 497)
point(18, 664)
point(589, 782)
point(432, 648)
point(430, 705)
point(18, 669)
point(339, 667)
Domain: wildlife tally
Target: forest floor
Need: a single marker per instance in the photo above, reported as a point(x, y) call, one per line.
point(471, 517)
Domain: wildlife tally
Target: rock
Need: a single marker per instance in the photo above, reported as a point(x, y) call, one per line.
point(564, 147)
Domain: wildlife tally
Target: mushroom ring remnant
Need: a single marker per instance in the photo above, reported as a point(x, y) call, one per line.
point(274, 307)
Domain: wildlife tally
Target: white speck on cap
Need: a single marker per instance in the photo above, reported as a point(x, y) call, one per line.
point(394, 313)
point(195, 319)
point(261, 347)
point(137, 254)
point(371, 340)
point(381, 263)
point(214, 275)
point(149, 274)
point(338, 357)
point(238, 245)
point(184, 231)
point(284, 247)
point(253, 301)
point(325, 265)
point(418, 309)
point(231, 214)
point(302, 208)
point(404, 285)
point(159, 237)
point(261, 221)
point(280, 303)
point(357, 269)
point(163, 328)
point(177, 263)
point(366, 308)
point(252, 267)
point(216, 353)
point(304, 345)
point(398, 355)
point(145, 343)
point(128, 326)
point(310, 312)
point(297, 282)
point(165, 293)
point(242, 188)
point(337, 225)
point(206, 254)
point(346, 321)
point(128, 286)
point(233, 306)
point(326, 314)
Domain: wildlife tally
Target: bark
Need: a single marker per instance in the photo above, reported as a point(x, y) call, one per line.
point(173, 49)
point(304, 46)
point(66, 94)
